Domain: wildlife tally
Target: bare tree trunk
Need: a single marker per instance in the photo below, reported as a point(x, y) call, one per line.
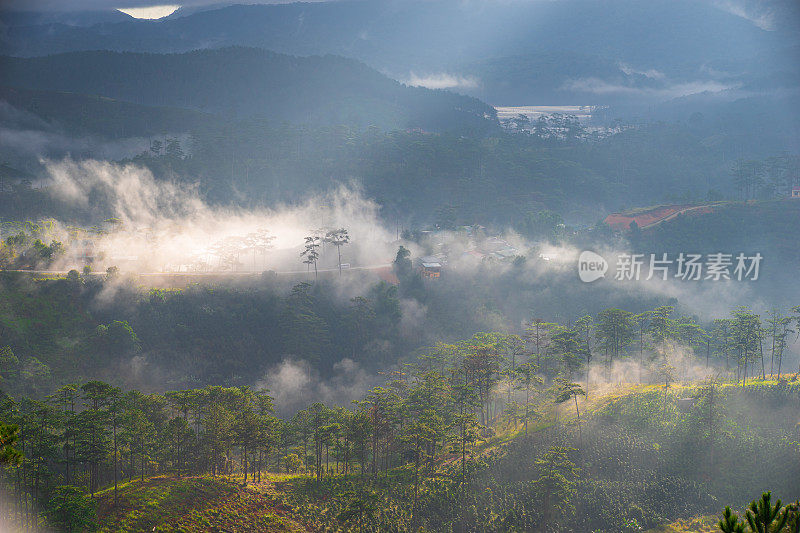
point(116, 498)
point(244, 464)
point(744, 375)
point(578, 414)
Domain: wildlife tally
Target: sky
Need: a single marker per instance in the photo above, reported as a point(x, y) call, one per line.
point(153, 7)
point(150, 12)
point(147, 9)
point(763, 13)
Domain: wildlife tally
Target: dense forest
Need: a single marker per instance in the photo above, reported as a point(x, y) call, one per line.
point(424, 180)
point(496, 410)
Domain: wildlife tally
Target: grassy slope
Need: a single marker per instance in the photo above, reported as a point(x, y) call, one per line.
point(703, 524)
point(194, 504)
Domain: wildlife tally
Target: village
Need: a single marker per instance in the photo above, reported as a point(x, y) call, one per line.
point(467, 245)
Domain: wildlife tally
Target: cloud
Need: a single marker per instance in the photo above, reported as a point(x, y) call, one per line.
point(441, 81)
point(601, 87)
point(150, 12)
point(295, 384)
point(25, 138)
point(559, 276)
point(652, 73)
point(30, 144)
point(167, 226)
point(761, 14)
point(412, 321)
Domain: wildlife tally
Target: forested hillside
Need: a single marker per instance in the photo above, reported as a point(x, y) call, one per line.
point(442, 446)
point(768, 226)
point(247, 82)
point(418, 178)
point(93, 115)
point(201, 334)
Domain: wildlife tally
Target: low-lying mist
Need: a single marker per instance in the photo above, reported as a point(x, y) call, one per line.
point(162, 226)
point(145, 225)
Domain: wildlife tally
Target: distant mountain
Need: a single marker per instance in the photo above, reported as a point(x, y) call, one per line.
point(185, 11)
point(245, 82)
point(515, 52)
point(54, 19)
point(543, 78)
point(81, 114)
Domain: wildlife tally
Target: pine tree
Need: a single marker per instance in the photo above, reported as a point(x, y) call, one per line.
point(566, 391)
point(793, 513)
point(730, 522)
point(764, 517)
point(556, 483)
point(8, 437)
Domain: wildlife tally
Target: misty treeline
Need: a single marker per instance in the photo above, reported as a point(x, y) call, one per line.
point(105, 326)
point(766, 178)
point(25, 248)
point(30, 244)
point(765, 226)
point(420, 178)
point(428, 443)
point(500, 178)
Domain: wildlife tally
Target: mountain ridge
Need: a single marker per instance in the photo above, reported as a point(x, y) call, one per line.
point(240, 81)
point(677, 39)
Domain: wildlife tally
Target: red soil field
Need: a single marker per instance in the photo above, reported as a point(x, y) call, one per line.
point(645, 219)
